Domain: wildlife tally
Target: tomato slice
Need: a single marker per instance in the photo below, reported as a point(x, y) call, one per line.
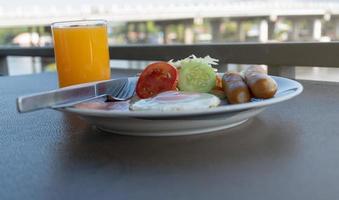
point(218, 83)
point(156, 78)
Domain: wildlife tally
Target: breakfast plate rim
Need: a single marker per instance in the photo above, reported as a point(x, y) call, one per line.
point(298, 88)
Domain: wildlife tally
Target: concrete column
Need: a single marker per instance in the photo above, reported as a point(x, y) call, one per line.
point(317, 26)
point(142, 32)
point(295, 30)
point(36, 65)
point(146, 32)
point(137, 29)
point(216, 30)
point(271, 29)
point(188, 33)
point(240, 31)
point(30, 31)
point(3, 66)
point(164, 32)
point(127, 35)
point(337, 29)
point(263, 30)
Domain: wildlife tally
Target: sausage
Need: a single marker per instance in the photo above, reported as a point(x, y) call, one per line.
point(235, 88)
point(261, 85)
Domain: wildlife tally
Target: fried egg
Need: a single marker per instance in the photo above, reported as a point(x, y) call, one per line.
point(176, 101)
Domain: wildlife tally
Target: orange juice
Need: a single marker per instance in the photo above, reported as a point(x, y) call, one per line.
point(81, 53)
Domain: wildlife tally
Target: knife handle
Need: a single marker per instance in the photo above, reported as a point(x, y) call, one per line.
point(55, 97)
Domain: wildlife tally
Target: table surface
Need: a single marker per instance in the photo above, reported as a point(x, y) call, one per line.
point(290, 151)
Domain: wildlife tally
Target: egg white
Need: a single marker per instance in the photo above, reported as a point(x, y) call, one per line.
point(176, 101)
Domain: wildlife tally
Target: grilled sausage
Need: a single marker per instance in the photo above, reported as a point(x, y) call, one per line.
point(235, 88)
point(261, 85)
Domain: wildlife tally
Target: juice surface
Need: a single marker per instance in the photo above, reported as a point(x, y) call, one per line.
point(81, 54)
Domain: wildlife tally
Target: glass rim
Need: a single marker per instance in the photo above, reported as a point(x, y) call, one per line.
point(79, 23)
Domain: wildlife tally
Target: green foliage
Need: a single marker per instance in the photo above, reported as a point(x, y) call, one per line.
point(7, 34)
point(151, 27)
point(230, 31)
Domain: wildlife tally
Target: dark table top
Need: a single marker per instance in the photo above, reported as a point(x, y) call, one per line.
point(290, 151)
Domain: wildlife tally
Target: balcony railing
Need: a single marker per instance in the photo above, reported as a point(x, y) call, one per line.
point(280, 57)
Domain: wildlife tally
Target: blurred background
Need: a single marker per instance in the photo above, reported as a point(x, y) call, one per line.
point(26, 23)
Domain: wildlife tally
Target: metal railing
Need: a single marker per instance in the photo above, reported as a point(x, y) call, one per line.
point(280, 57)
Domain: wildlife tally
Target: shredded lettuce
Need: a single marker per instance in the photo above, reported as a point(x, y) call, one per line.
point(206, 60)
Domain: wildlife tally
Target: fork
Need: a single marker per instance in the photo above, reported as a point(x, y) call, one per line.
point(122, 93)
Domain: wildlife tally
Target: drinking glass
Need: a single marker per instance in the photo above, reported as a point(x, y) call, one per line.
point(81, 51)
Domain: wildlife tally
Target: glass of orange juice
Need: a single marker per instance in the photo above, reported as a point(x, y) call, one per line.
point(81, 51)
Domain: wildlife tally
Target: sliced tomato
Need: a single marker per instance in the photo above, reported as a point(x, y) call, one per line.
point(218, 89)
point(156, 78)
point(218, 83)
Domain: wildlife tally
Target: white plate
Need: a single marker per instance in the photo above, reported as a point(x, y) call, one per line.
point(155, 123)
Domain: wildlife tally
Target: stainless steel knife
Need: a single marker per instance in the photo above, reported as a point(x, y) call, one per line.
point(70, 95)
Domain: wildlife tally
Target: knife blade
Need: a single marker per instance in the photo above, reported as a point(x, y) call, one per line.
point(69, 95)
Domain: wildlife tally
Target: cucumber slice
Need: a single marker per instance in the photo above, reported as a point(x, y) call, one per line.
point(196, 76)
